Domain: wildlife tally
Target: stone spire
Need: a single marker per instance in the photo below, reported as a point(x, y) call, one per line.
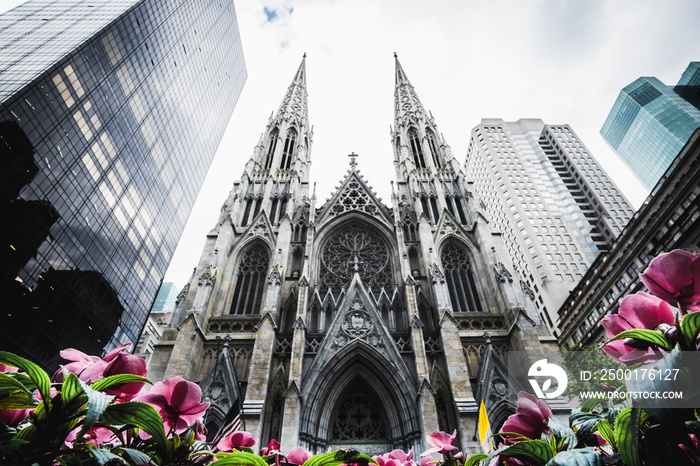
point(407, 106)
point(285, 146)
point(293, 108)
point(418, 145)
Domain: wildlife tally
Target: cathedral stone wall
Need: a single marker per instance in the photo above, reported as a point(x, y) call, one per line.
point(352, 323)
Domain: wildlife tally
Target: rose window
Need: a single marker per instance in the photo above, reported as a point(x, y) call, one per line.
point(355, 250)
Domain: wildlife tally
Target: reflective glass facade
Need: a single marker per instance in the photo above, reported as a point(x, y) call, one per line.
point(124, 103)
point(650, 122)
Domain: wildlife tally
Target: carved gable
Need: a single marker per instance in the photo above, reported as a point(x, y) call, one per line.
point(354, 195)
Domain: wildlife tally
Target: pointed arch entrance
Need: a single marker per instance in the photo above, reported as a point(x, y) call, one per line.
point(360, 399)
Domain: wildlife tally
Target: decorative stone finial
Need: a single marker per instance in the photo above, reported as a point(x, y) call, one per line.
point(353, 162)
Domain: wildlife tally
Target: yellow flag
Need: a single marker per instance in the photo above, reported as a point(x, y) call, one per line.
point(485, 434)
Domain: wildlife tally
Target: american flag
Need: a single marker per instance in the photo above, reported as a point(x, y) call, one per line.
point(230, 424)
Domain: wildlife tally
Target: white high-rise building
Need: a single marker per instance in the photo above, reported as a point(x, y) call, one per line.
point(554, 204)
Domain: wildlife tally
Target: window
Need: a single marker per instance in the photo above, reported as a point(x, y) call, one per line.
point(289, 147)
point(460, 279)
point(433, 148)
point(250, 282)
point(416, 149)
point(271, 149)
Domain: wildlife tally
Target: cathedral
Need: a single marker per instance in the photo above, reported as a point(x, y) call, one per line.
point(352, 324)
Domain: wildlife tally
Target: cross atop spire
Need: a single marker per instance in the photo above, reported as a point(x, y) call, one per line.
point(353, 162)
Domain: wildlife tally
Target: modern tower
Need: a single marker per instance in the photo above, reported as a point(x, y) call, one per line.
point(556, 207)
point(351, 323)
point(651, 122)
point(113, 111)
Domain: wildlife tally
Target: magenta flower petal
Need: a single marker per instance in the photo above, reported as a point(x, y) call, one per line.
point(674, 277)
point(298, 455)
point(441, 442)
point(116, 351)
point(645, 311)
point(178, 402)
point(531, 417)
point(236, 440)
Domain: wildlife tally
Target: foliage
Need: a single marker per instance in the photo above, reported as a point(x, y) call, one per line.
point(648, 335)
point(587, 357)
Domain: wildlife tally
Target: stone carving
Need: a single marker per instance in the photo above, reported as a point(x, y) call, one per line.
point(502, 274)
point(436, 274)
point(260, 229)
point(480, 323)
point(355, 250)
point(527, 291)
point(275, 278)
point(448, 227)
point(208, 277)
point(357, 323)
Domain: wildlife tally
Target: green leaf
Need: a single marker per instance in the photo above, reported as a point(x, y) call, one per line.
point(565, 435)
point(97, 402)
point(626, 432)
point(72, 395)
point(141, 415)
point(336, 458)
point(475, 459)
point(592, 403)
point(606, 431)
point(12, 445)
point(36, 373)
point(71, 389)
point(690, 327)
point(579, 457)
point(534, 452)
point(239, 458)
point(18, 400)
point(137, 456)
point(28, 433)
point(118, 379)
point(650, 336)
point(10, 386)
point(104, 456)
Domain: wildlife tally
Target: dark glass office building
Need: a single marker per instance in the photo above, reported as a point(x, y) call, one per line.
point(651, 122)
point(111, 112)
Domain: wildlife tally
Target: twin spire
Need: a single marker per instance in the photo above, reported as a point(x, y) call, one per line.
point(289, 126)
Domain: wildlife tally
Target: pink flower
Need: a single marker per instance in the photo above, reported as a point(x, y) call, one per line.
point(200, 431)
point(637, 311)
point(298, 455)
point(178, 402)
point(531, 417)
point(675, 278)
point(12, 417)
point(125, 363)
point(88, 368)
point(441, 442)
point(95, 436)
point(396, 458)
point(236, 441)
point(273, 448)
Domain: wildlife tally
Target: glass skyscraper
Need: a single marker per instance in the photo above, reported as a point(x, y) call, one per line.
point(651, 122)
point(112, 112)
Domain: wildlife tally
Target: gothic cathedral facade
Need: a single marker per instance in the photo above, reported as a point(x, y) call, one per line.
point(351, 324)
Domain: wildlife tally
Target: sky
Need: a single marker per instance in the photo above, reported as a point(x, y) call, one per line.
point(564, 61)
